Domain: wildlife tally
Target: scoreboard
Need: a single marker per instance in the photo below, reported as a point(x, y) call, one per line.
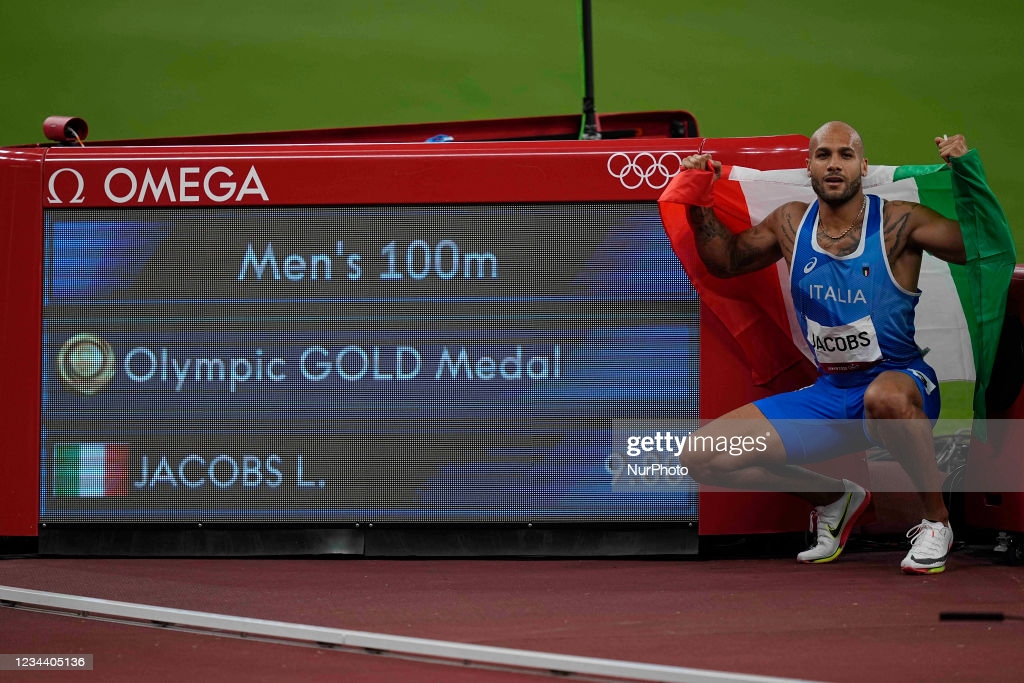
point(455, 363)
point(292, 329)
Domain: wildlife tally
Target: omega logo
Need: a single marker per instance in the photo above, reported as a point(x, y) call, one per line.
point(185, 184)
point(78, 197)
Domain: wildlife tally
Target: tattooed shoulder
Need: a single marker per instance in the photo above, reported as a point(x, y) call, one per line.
point(897, 218)
point(787, 222)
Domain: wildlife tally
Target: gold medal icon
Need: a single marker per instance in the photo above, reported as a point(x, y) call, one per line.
point(85, 364)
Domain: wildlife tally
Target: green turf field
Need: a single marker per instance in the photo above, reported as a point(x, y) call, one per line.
point(900, 71)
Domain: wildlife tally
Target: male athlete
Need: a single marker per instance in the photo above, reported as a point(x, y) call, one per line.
point(873, 385)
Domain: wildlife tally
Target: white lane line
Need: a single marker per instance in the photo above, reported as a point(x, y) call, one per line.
point(441, 650)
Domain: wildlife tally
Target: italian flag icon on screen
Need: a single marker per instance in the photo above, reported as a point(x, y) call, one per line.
point(90, 470)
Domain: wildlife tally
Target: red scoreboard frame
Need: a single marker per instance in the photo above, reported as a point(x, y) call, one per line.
point(516, 161)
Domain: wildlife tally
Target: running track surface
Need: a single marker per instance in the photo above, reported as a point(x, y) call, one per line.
point(857, 619)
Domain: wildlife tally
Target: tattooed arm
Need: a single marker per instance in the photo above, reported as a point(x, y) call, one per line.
point(915, 228)
point(725, 253)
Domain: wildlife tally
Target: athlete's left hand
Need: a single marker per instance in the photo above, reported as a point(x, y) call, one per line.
point(951, 146)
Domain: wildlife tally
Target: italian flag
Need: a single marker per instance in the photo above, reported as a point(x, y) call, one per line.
point(960, 312)
point(89, 470)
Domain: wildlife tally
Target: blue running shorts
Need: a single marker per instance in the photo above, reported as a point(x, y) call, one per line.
point(825, 420)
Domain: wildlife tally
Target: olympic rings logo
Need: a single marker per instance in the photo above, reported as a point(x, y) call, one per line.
point(644, 168)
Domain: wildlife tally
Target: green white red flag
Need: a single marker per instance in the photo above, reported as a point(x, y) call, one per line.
point(88, 470)
point(757, 309)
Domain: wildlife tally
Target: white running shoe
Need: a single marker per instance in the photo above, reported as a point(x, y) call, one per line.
point(834, 522)
point(929, 546)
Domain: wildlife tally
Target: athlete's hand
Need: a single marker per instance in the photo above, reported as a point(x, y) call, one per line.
point(951, 146)
point(702, 162)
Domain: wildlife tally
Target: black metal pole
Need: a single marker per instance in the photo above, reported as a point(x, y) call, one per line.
point(590, 131)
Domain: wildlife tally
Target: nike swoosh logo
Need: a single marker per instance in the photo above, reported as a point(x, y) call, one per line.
point(846, 508)
point(932, 560)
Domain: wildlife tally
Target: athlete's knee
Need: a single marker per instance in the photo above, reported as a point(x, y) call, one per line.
point(710, 454)
point(892, 401)
point(705, 468)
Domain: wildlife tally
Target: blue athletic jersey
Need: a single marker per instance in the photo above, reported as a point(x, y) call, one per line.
point(859, 323)
point(852, 312)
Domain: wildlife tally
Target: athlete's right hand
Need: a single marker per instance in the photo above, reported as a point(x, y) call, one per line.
point(702, 162)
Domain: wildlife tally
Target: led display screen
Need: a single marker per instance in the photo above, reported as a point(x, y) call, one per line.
point(330, 365)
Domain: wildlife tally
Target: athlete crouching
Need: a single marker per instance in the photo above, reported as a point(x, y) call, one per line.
point(854, 262)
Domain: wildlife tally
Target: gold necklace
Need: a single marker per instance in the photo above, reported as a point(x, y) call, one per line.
point(844, 233)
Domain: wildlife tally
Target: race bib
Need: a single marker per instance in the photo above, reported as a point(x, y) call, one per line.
point(844, 348)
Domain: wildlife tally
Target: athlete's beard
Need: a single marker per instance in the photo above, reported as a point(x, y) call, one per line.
point(835, 201)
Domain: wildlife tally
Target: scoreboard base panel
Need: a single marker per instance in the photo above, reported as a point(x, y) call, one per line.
point(381, 541)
